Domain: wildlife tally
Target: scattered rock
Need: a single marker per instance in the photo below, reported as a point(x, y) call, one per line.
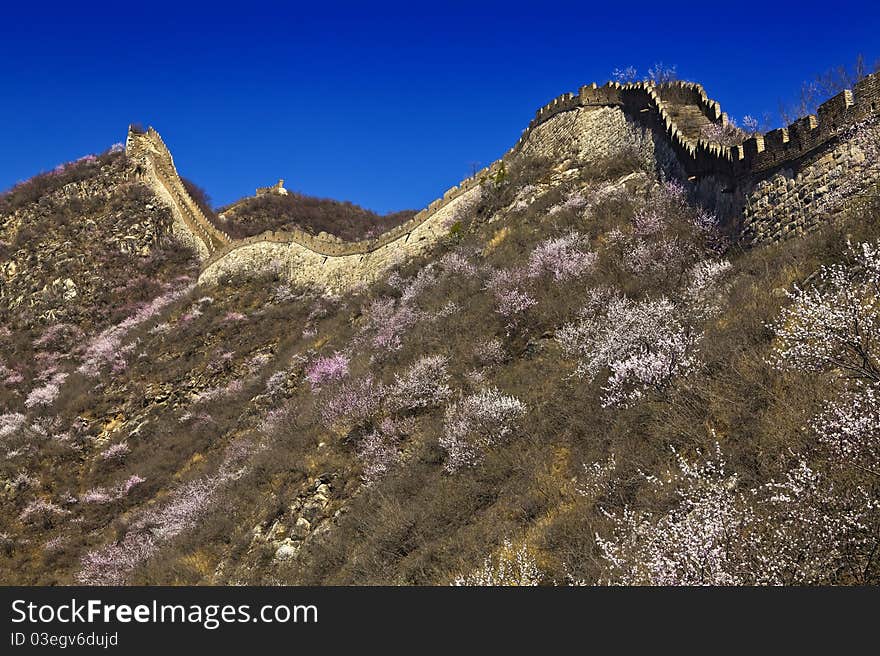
point(287, 551)
point(302, 528)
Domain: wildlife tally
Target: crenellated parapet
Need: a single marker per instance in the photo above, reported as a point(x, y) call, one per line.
point(149, 151)
point(677, 111)
point(775, 148)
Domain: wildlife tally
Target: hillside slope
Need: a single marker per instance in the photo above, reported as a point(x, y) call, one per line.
point(585, 377)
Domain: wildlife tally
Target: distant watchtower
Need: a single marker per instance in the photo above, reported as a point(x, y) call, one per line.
point(274, 189)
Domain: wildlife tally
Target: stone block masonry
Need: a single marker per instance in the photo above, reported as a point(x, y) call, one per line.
point(156, 166)
point(767, 188)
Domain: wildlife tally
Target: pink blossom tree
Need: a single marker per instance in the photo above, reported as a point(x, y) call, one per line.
point(327, 369)
point(563, 258)
point(476, 423)
point(422, 385)
point(641, 344)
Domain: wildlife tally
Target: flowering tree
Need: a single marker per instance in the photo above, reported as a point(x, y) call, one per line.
point(423, 385)
point(850, 427)
point(564, 258)
point(701, 293)
point(696, 542)
point(659, 73)
point(327, 369)
point(625, 75)
point(834, 325)
point(353, 402)
point(46, 394)
point(116, 452)
point(490, 351)
point(511, 300)
point(795, 531)
point(511, 567)
point(458, 263)
point(106, 346)
point(386, 322)
point(379, 451)
point(42, 512)
point(476, 423)
point(150, 528)
point(642, 345)
point(727, 134)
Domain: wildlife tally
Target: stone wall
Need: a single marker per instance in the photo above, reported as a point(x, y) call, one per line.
point(607, 118)
point(296, 262)
point(761, 187)
point(803, 194)
point(156, 166)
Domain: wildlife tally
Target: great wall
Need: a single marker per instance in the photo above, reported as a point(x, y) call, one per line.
point(762, 189)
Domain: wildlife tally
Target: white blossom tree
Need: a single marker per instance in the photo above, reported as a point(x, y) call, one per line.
point(833, 325)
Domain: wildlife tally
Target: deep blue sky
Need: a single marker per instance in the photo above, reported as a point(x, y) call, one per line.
point(387, 105)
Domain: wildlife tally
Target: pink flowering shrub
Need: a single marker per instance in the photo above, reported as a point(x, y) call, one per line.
point(696, 542)
point(56, 333)
point(213, 393)
point(233, 317)
point(385, 323)
point(116, 452)
point(48, 363)
point(327, 369)
point(726, 134)
point(100, 495)
point(257, 362)
point(14, 378)
point(105, 347)
point(458, 263)
point(659, 256)
point(575, 201)
point(511, 299)
point(411, 289)
point(96, 496)
point(422, 385)
point(476, 423)
point(648, 221)
point(701, 292)
point(379, 451)
point(42, 512)
point(194, 312)
point(10, 422)
point(704, 221)
point(276, 383)
point(490, 351)
point(564, 258)
point(511, 303)
point(274, 419)
point(352, 402)
point(46, 394)
point(128, 484)
point(597, 478)
point(156, 525)
point(642, 344)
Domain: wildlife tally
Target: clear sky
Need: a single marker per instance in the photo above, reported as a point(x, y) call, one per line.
point(381, 104)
